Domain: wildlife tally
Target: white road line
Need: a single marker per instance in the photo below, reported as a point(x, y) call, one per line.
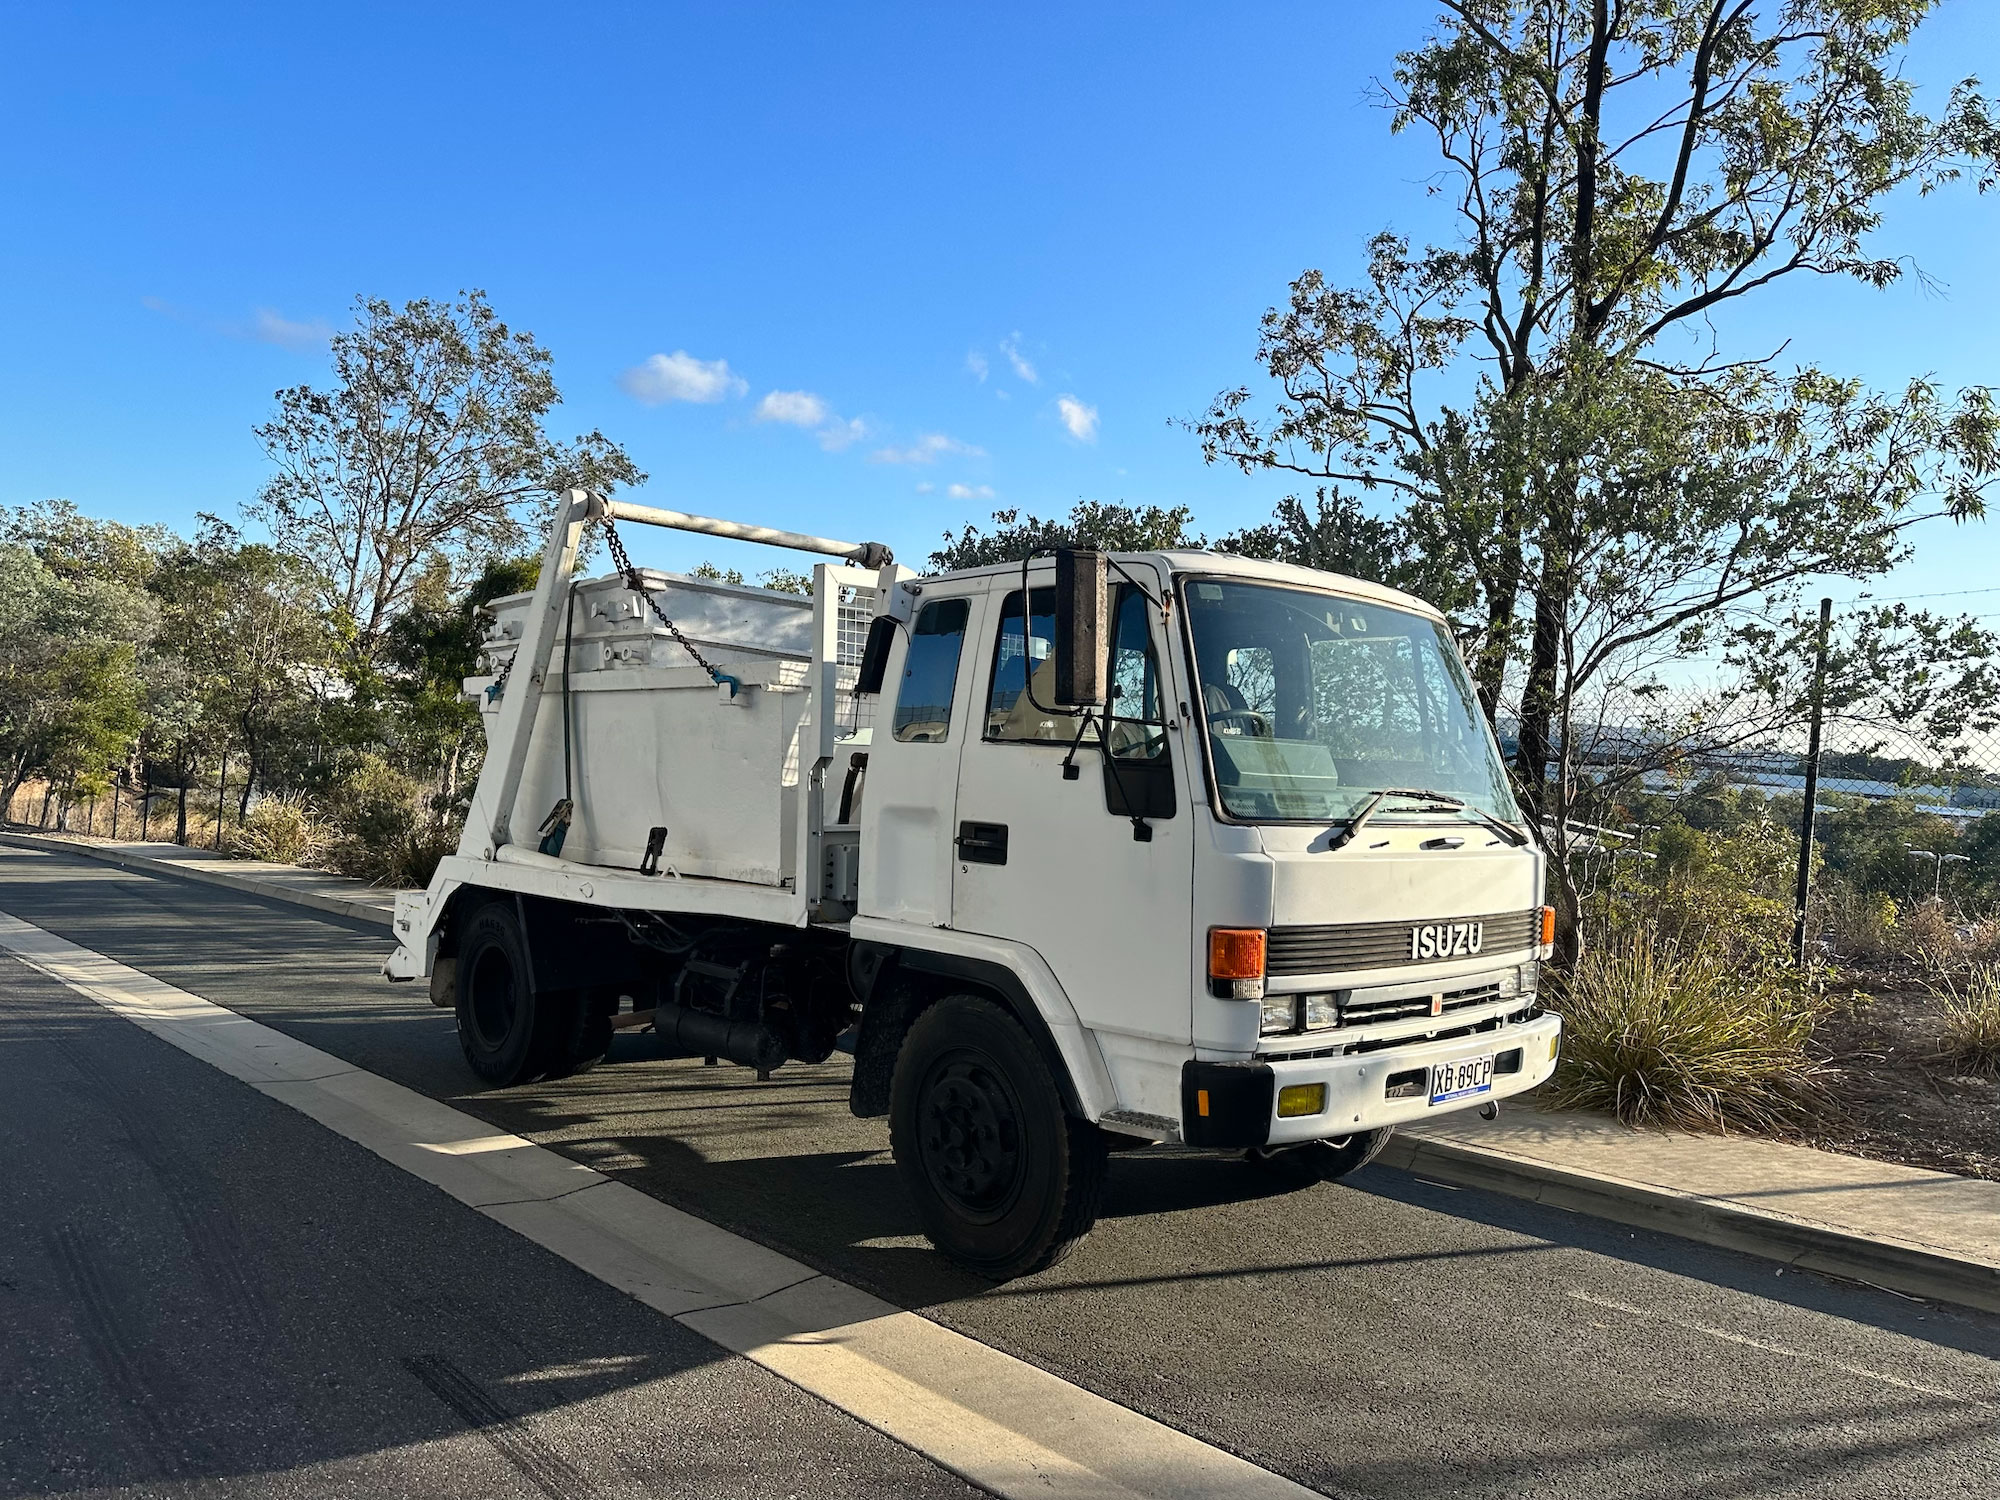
point(996, 1421)
point(1744, 1339)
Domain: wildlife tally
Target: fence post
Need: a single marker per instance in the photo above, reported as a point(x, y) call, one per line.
point(1812, 784)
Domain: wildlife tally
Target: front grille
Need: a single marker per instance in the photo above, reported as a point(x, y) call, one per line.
point(1368, 1012)
point(1389, 1043)
point(1336, 948)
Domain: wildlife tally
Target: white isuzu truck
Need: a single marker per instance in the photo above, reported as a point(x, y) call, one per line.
point(1085, 851)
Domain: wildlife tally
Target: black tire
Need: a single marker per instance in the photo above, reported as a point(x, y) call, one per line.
point(579, 1030)
point(1005, 1181)
point(1320, 1161)
point(497, 1009)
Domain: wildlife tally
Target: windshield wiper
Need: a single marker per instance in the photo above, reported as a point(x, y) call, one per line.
point(1373, 805)
point(1440, 802)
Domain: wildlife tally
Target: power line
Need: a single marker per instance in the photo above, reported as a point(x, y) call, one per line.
point(1943, 594)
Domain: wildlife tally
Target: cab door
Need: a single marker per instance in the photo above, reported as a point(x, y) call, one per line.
point(1093, 872)
point(912, 779)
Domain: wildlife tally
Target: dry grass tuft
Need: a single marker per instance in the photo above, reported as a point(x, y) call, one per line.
point(1660, 1033)
point(1970, 1044)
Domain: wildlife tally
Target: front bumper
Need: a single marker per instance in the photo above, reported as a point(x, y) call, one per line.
point(1236, 1104)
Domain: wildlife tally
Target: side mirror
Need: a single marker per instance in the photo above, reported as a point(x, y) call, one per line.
point(1082, 583)
point(875, 655)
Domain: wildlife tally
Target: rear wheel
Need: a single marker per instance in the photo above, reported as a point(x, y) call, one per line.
point(579, 1027)
point(1005, 1181)
point(498, 1014)
point(1320, 1161)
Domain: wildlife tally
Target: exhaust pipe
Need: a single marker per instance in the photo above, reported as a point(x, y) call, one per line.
point(699, 1033)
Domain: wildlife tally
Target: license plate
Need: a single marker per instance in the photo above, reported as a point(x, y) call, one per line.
point(1462, 1079)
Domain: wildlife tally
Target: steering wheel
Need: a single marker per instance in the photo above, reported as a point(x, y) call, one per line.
point(1259, 725)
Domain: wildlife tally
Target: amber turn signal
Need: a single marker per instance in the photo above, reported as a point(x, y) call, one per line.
point(1548, 926)
point(1235, 953)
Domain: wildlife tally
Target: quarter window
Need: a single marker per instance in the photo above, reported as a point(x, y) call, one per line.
point(1138, 727)
point(930, 673)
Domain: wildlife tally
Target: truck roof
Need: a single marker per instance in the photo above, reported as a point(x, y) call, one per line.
point(1196, 560)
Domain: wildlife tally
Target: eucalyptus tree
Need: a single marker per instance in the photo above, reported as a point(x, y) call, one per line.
point(1549, 393)
point(427, 454)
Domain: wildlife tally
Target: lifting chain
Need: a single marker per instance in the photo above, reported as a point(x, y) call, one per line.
point(630, 574)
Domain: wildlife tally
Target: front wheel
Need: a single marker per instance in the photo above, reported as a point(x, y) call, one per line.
point(1006, 1182)
point(1320, 1161)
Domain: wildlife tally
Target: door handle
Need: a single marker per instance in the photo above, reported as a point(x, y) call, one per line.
point(982, 843)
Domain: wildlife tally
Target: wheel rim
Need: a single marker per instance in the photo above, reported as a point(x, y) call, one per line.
point(495, 998)
point(969, 1127)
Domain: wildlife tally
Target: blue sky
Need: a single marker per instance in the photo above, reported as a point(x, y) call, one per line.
point(983, 257)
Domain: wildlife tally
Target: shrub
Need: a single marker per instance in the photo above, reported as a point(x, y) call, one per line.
point(1727, 891)
point(388, 833)
point(1660, 1032)
point(1971, 1039)
point(1861, 924)
point(282, 828)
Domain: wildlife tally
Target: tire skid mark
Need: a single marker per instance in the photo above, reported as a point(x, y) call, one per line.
point(115, 1346)
point(509, 1436)
point(190, 1189)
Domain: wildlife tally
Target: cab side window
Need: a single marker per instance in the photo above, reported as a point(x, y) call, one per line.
point(1021, 693)
point(930, 673)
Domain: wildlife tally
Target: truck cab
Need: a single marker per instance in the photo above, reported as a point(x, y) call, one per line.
point(1176, 867)
point(1086, 850)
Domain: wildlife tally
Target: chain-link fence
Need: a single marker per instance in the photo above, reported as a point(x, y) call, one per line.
point(1904, 784)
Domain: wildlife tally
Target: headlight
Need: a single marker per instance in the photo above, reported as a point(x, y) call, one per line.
point(1280, 1015)
point(1321, 1012)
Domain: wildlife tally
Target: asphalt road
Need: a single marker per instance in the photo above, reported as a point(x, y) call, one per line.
point(1390, 1337)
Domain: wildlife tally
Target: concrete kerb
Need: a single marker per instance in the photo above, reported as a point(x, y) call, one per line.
point(1897, 1265)
point(376, 906)
point(1894, 1265)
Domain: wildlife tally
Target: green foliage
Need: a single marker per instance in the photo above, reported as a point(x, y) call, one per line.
point(427, 653)
point(384, 825)
point(1682, 1034)
point(1722, 889)
point(70, 638)
point(1538, 398)
point(779, 580)
point(425, 458)
point(1091, 523)
point(1339, 536)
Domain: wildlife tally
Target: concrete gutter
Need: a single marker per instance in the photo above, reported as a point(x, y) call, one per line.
point(1923, 1234)
point(315, 889)
point(1956, 1263)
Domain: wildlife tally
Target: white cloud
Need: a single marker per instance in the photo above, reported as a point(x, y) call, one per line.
point(272, 328)
point(928, 447)
point(681, 377)
point(804, 409)
point(976, 363)
point(970, 491)
point(837, 434)
point(1011, 347)
point(925, 487)
point(1081, 420)
point(795, 408)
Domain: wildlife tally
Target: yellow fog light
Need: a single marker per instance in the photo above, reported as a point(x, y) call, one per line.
point(1296, 1099)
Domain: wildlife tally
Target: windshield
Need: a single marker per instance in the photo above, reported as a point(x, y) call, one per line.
point(1315, 703)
